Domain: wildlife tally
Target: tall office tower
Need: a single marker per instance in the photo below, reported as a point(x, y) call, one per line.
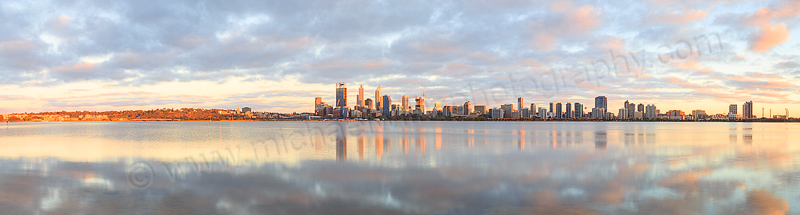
point(569, 113)
point(404, 103)
point(552, 107)
point(420, 104)
point(317, 101)
point(732, 109)
point(578, 112)
point(601, 102)
point(559, 111)
point(507, 110)
point(747, 110)
point(378, 98)
point(533, 109)
point(368, 103)
point(467, 108)
point(341, 95)
point(360, 95)
point(598, 113)
point(650, 112)
point(437, 106)
point(520, 103)
point(387, 101)
point(631, 110)
point(640, 108)
point(542, 113)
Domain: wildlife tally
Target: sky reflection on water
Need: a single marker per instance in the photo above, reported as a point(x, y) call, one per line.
point(399, 168)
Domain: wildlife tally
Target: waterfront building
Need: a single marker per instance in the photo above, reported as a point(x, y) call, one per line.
point(732, 109)
point(480, 109)
point(676, 114)
point(467, 108)
point(317, 101)
point(631, 110)
point(368, 103)
point(747, 110)
point(640, 108)
point(542, 113)
point(568, 114)
point(599, 113)
point(378, 98)
point(507, 110)
point(341, 95)
point(520, 103)
point(699, 114)
point(525, 113)
point(360, 98)
point(650, 111)
point(387, 101)
point(246, 110)
point(404, 103)
point(601, 102)
point(533, 110)
point(578, 112)
point(623, 113)
point(559, 111)
point(420, 105)
point(638, 115)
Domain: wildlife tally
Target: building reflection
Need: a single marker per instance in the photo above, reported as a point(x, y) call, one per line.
point(438, 138)
point(341, 145)
point(470, 138)
point(379, 142)
point(600, 139)
point(522, 140)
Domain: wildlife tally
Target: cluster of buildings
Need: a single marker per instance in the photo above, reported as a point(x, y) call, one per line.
point(382, 105)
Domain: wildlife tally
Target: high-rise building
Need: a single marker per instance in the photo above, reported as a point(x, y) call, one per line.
point(542, 113)
point(552, 107)
point(747, 110)
point(341, 95)
point(640, 108)
point(520, 103)
point(533, 109)
point(507, 110)
point(404, 103)
point(623, 113)
point(368, 103)
point(601, 102)
point(378, 98)
point(569, 114)
point(317, 101)
point(360, 98)
point(598, 113)
point(631, 110)
point(420, 104)
point(626, 106)
point(650, 112)
point(387, 101)
point(480, 109)
point(559, 113)
point(578, 112)
point(732, 109)
point(467, 108)
point(437, 106)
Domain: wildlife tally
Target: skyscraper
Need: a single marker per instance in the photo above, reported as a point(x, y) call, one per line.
point(578, 112)
point(317, 101)
point(467, 108)
point(533, 109)
point(378, 98)
point(601, 102)
point(732, 109)
point(420, 104)
point(640, 108)
point(480, 109)
point(569, 114)
point(360, 95)
point(341, 95)
point(626, 106)
point(650, 112)
point(559, 111)
point(404, 103)
point(631, 110)
point(507, 110)
point(387, 102)
point(520, 103)
point(747, 110)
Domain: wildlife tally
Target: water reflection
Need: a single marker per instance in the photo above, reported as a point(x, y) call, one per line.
point(303, 168)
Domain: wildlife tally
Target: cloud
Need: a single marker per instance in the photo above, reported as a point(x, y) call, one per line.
point(675, 17)
point(769, 37)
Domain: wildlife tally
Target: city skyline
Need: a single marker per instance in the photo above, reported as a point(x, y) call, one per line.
point(139, 55)
point(556, 109)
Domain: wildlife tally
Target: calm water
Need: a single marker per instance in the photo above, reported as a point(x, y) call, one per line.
point(399, 168)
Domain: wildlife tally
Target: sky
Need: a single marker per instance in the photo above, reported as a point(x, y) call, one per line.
point(278, 55)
